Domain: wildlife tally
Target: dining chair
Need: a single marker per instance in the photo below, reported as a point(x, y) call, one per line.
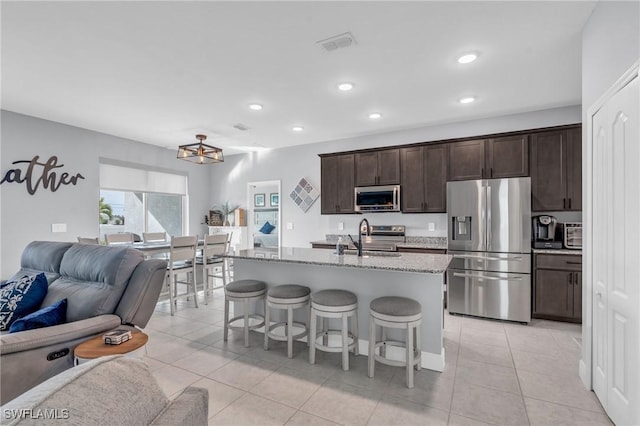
point(87, 240)
point(214, 247)
point(120, 238)
point(182, 260)
point(154, 237)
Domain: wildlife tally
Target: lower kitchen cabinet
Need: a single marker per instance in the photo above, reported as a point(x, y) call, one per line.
point(421, 250)
point(557, 287)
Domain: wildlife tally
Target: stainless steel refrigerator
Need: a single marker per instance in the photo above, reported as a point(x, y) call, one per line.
point(489, 224)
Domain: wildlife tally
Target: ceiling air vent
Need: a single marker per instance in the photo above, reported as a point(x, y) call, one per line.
point(337, 42)
point(241, 127)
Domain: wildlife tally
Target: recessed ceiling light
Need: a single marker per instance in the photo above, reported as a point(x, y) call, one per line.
point(467, 100)
point(255, 107)
point(345, 87)
point(375, 115)
point(297, 128)
point(468, 58)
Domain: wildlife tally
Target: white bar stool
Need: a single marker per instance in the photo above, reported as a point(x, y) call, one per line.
point(243, 291)
point(289, 297)
point(334, 304)
point(396, 312)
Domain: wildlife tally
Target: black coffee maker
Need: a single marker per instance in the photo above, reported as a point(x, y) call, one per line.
point(546, 233)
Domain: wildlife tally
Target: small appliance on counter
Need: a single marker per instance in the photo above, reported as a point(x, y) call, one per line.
point(545, 232)
point(572, 235)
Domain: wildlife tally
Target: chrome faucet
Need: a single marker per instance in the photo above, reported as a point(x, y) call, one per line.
point(359, 247)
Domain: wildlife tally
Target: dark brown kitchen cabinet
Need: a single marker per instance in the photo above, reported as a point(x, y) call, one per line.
point(503, 157)
point(557, 288)
point(424, 179)
point(378, 168)
point(556, 170)
point(337, 184)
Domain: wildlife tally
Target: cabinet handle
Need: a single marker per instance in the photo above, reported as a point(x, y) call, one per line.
point(569, 202)
point(568, 289)
point(570, 262)
point(482, 172)
point(491, 171)
point(564, 203)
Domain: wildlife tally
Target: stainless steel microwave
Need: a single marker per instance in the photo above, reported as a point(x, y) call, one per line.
point(377, 198)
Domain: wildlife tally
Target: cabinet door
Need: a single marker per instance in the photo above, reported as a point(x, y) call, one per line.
point(548, 176)
point(574, 169)
point(366, 169)
point(328, 185)
point(345, 185)
point(412, 193)
point(435, 174)
point(389, 167)
point(577, 295)
point(466, 160)
point(508, 157)
point(554, 293)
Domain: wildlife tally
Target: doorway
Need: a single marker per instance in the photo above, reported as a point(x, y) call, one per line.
point(264, 214)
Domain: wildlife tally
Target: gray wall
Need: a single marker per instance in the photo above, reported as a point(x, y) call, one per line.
point(610, 45)
point(25, 217)
point(291, 164)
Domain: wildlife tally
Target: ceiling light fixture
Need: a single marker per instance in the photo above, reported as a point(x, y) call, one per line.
point(468, 58)
point(467, 100)
point(345, 87)
point(255, 107)
point(375, 115)
point(297, 128)
point(200, 153)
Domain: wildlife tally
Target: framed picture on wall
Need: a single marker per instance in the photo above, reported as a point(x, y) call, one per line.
point(258, 200)
point(274, 199)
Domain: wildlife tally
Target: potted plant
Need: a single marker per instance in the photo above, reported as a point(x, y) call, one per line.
point(226, 209)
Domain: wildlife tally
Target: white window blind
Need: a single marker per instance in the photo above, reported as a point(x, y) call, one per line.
point(140, 180)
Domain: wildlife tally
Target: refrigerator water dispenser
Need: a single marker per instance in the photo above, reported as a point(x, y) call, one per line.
point(461, 228)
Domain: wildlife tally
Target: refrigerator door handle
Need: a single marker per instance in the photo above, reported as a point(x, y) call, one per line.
point(470, 256)
point(484, 277)
point(488, 222)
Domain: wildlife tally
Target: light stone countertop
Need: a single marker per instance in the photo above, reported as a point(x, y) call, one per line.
point(404, 262)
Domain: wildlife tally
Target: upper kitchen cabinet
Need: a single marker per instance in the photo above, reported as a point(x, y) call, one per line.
point(556, 170)
point(378, 167)
point(337, 184)
point(494, 158)
point(424, 179)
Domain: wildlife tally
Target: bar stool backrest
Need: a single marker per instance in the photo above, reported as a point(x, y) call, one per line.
point(154, 237)
point(183, 248)
point(88, 240)
point(215, 245)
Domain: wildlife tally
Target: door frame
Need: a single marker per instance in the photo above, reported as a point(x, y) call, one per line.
point(250, 208)
point(586, 365)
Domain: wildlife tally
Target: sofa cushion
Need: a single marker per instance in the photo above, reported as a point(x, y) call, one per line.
point(21, 297)
point(46, 317)
point(42, 256)
point(111, 390)
point(93, 279)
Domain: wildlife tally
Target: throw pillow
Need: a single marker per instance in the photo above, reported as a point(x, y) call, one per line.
point(21, 297)
point(267, 228)
point(51, 315)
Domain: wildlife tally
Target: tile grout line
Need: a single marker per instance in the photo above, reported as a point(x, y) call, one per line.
point(455, 373)
point(524, 404)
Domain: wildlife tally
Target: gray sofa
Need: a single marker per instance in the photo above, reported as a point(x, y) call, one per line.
point(105, 288)
point(113, 391)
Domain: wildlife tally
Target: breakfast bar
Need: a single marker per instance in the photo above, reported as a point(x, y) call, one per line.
point(375, 274)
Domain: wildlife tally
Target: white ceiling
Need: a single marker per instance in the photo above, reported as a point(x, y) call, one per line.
point(160, 72)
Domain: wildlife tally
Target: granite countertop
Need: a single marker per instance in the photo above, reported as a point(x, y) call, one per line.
point(403, 262)
point(556, 251)
point(436, 243)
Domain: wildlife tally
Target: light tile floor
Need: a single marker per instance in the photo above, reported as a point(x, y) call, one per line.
point(497, 373)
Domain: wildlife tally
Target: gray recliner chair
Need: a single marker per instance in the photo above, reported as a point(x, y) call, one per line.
point(105, 288)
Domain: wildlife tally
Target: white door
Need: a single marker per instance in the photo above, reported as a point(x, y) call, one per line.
point(616, 255)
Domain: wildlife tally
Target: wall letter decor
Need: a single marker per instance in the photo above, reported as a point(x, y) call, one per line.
point(48, 178)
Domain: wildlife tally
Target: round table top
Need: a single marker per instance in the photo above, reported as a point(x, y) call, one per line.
point(95, 348)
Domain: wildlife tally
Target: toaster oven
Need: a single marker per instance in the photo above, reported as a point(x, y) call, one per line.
point(572, 235)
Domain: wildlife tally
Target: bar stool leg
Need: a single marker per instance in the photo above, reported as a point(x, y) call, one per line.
point(226, 319)
point(354, 318)
point(383, 348)
point(172, 296)
point(345, 342)
point(372, 346)
point(325, 329)
point(418, 347)
point(246, 322)
point(311, 337)
point(289, 331)
point(266, 326)
point(410, 356)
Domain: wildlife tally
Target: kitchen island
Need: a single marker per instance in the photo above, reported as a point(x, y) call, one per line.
point(376, 274)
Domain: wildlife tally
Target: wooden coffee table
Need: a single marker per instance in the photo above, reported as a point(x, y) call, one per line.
point(95, 348)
